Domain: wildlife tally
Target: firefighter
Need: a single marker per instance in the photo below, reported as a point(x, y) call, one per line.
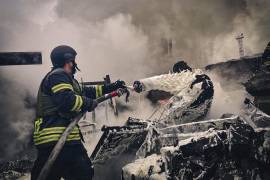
point(207, 85)
point(60, 98)
point(197, 107)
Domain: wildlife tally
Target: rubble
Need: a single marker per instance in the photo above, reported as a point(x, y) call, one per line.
point(243, 69)
point(151, 167)
point(258, 87)
point(255, 117)
point(224, 148)
point(238, 151)
point(231, 147)
point(15, 169)
point(116, 148)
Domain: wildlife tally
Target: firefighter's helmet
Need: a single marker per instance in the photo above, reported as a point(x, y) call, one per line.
point(181, 66)
point(62, 54)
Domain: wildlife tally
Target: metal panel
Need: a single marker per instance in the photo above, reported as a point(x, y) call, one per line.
point(20, 58)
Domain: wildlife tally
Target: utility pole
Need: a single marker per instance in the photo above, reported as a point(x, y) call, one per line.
point(239, 39)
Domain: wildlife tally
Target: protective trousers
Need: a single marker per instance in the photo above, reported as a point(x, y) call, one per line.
point(72, 163)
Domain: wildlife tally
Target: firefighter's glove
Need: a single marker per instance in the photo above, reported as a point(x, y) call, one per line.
point(121, 91)
point(138, 86)
point(93, 106)
point(119, 84)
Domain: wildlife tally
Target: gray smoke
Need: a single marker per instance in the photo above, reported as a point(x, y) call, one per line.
point(122, 38)
point(202, 31)
point(16, 117)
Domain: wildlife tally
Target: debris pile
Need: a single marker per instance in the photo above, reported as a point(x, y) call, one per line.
point(117, 147)
point(258, 87)
point(15, 169)
point(243, 69)
point(230, 147)
point(235, 151)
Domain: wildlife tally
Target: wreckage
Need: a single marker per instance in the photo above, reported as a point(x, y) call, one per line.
point(224, 148)
point(189, 95)
point(234, 146)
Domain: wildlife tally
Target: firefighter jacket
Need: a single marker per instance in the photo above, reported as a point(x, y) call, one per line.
point(61, 98)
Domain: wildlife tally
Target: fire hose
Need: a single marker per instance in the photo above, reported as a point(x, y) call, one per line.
point(59, 145)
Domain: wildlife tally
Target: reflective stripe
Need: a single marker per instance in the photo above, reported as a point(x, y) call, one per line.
point(78, 103)
point(51, 140)
point(61, 86)
point(53, 134)
point(267, 63)
point(37, 136)
point(56, 138)
point(56, 128)
point(99, 91)
point(53, 131)
point(38, 122)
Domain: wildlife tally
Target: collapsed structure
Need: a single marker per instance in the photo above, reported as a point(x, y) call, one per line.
point(213, 149)
point(232, 147)
point(226, 148)
point(223, 148)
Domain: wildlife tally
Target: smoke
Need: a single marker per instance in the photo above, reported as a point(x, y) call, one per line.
point(202, 31)
point(228, 98)
point(16, 116)
point(121, 38)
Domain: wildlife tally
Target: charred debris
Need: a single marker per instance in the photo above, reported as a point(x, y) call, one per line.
point(227, 148)
point(232, 147)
